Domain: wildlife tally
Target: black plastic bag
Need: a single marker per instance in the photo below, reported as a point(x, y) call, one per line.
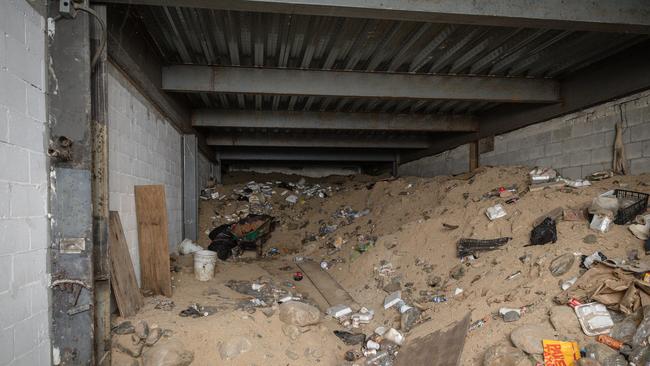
point(218, 230)
point(544, 233)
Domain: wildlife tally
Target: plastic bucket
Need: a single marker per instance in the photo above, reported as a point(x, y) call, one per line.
point(204, 262)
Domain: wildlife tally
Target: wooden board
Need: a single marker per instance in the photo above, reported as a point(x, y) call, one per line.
point(440, 348)
point(151, 213)
point(326, 285)
point(280, 270)
point(125, 287)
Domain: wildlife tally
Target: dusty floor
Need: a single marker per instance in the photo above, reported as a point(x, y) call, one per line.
point(406, 217)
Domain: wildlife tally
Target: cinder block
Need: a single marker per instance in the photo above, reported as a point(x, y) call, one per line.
point(23, 64)
point(601, 155)
point(634, 150)
point(580, 158)
point(14, 236)
point(25, 132)
point(4, 124)
point(4, 200)
point(38, 227)
point(640, 132)
point(13, 92)
point(15, 307)
point(553, 149)
point(639, 166)
point(6, 272)
point(29, 267)
point(37, 168)
point(604, 123)
point(637, 116)
point(592, 168)
point(6, 345)
point(12, 22)
point(571, 172)
point(28, 200)
point(45, 353)
point(646, 148)
point(581, 128)
point(35, 103)
point(26, 337)
point(39, 297)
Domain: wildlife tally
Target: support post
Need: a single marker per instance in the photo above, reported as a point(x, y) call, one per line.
point(99, 128)
point(473, 155)
point(190, 187)
point(218, 167)
point(70, 191)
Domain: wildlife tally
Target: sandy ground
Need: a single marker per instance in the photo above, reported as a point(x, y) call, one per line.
point(406, 216)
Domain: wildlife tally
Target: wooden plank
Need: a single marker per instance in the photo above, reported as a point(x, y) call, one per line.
point(125, 287)
point(440, 348)
point(473, 156)
point(151, 212)
point(278, 269)
point(326, 285)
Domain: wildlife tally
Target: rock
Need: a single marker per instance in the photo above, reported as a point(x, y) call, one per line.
point(457, 272)
point(168, 353)
point(153, 337)
point(350, 339)
point(434, 281)
point(268, 311)
point(313, 352)
point(292, 355)
point(299, 313)
point(528, 338)
point(587, 362)
point(562, 264)
point(511, 316)
point(124, 328)
point(142, 329)
point(234, 346)
point(125, 345)
point(409, 318)
point(564, 320)
point(291, 331)
point(504, 355)
point(590, 239)
point(393, 286)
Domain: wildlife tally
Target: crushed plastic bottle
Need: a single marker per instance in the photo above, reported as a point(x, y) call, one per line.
point(381, 358)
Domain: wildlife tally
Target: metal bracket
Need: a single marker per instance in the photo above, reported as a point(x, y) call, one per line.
point(68, 8)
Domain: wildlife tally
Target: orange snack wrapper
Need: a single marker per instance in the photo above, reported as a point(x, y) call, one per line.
point(560, 353)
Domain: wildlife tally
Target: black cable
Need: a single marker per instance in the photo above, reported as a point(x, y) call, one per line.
point(102, 43)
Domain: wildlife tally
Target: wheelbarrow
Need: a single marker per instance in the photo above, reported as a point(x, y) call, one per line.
point(252, 231)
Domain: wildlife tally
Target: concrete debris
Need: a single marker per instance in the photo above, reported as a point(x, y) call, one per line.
point(299, 313)
point(528, 338)
point(234, 346)
point(169, 353)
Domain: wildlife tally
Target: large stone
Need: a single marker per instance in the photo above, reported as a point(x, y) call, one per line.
point(528, 338)
point(124, 328)
point(299, 313)
point(142, 329)
point(153, 337)
point(504, 355)
point(124, 344)
point(170, 353)
point(562, 264)
point(291, 331)
point(234, 347)
point(564, 320)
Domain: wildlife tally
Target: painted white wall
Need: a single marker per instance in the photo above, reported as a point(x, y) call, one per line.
point(144, 148)
point(24, 294)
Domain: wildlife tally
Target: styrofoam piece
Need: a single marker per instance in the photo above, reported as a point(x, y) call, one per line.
point(392, 299)
point(338, 311)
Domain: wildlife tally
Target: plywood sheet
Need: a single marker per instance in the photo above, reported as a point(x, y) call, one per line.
point(326, 285)
point(440, 348)
point(125, 287)
point(151, 212)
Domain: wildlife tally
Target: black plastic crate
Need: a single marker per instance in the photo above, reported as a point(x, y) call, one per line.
point(627, 214)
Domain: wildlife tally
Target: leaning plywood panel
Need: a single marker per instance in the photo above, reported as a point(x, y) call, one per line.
point(151, 213)
point(125, 287)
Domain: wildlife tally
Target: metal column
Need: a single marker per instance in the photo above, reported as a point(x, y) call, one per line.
point(70, 195)
point(190, 187)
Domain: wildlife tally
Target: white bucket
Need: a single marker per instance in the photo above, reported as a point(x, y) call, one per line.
point(204, 262)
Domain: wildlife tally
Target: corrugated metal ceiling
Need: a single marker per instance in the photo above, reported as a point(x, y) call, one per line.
point(200, 36)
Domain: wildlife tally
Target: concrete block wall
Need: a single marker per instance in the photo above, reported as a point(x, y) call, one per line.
point(450, 162)
point(24, 293)
point(577, 144)
point(581, 143)
point(144, 148)
point(206, 170)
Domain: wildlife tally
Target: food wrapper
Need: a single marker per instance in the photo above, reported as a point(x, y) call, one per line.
point(560, 353)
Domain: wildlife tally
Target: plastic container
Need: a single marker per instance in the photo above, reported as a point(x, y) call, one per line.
point(594, 318)
point(204, 263)
point(629, 212)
